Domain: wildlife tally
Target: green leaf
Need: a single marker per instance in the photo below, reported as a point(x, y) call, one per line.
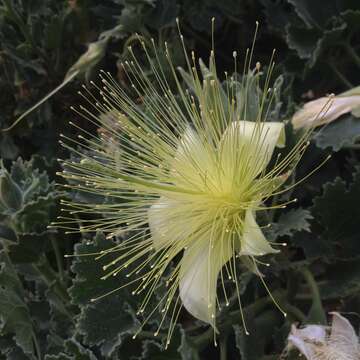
point(32, 196)
point(11, 351)
point(336, 210)
point(14, 313)
point(291, 222)
point(345, 131)
point(11, 196)
point(35, 216)
point(73, 350)
point(106, 322)
point(302, 40)
point(313, 13)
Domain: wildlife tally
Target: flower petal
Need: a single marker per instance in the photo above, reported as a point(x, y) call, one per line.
point(200, 268)
point(251, 143)
point(324, 110)
point(342, 331)
point(158, 222)
point(305, 339)
point(192, 160)
point(253, 242)
point(166, 222)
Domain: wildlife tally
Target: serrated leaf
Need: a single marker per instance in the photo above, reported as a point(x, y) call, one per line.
point(291, 222)
point(336, 210)
point(35, 216)
point(14, 313)
point(11, 196)
point(107, 321)
point(302, 40)
point(10, 350)
point(153, 350)
point(313, 13)
point(73, 350)
point(343, 132)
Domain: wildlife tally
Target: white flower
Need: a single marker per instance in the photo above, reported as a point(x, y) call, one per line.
point(317, 342)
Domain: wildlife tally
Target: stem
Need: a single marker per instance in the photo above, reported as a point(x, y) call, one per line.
point(297, 313)
point(316, 307)
point(309, 278)
point(352, 54)
point(223, 348)
point(341, 77)
point(37, 346)
point(58, 257)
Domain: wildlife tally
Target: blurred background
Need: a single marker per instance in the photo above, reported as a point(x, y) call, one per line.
point(45, 311)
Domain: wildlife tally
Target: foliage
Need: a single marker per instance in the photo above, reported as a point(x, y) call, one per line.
point(45, 307)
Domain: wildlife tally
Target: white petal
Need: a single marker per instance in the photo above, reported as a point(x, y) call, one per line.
point(324, 110)
point(192, 160)
point(158, 222)
point(165, 224)
point(253, 242)
point(253, 142)
point(342, 331)
point(200, 268)
point(305, 339)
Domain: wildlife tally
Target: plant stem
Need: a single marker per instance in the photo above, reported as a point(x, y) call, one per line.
point(59, 258)
point(297, 313)
point(309, 278)
point(352, 54)
point(341, 77)
point(223, 348)
point(316, 308)
point(37, 346)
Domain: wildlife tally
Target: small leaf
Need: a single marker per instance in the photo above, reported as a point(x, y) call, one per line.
point(292, 221)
